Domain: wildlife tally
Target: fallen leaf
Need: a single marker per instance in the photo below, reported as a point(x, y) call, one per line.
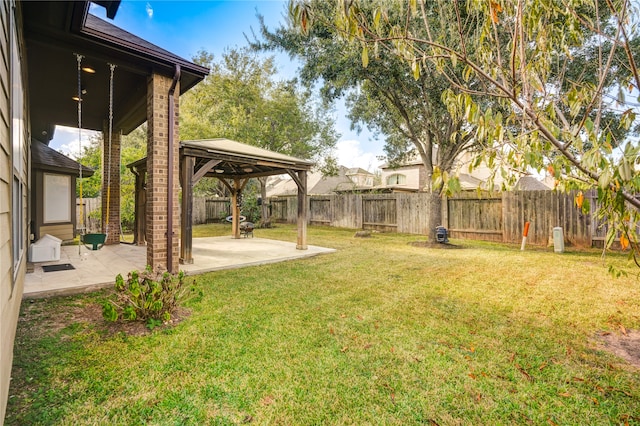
point(367, 345)
point(564, 394)
point(360, 317)
point(595, 401)
point(473, 376)
point(331, 331)
point(392, 349)
point(344, 349)
point(343, 316)
point(523, 371)
point(247, 419)
point(623, 330)
point(552, 423)
point(512, 357)
point(478, 397)
point(542, 366)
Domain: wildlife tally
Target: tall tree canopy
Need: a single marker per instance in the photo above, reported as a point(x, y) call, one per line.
point(242, 99)
point(561, 71)
point(382, 95)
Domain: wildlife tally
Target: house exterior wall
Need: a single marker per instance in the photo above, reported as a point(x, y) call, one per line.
point(481, 172)
point(14, 186)
point(411, 172)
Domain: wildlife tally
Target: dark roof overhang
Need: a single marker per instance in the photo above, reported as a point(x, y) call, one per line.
point(55, 32)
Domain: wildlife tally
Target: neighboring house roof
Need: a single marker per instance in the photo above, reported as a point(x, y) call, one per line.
point(317, 184)
point(530, 183)
point(358, 171)
point(468, 182)
point(45, 158)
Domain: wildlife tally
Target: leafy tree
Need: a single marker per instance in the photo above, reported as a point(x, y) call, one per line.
point(241, 99)
point(382, 94)
point(562, 72)
point(133, 148)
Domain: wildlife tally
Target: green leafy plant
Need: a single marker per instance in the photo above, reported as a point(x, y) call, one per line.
point(149, 296)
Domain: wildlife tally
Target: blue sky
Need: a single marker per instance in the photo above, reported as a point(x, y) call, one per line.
point(185, 27)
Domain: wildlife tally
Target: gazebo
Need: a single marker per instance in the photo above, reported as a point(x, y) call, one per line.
point(233, 163)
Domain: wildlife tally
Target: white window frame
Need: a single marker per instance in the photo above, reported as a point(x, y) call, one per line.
point(18, 145)
point(56, 206)
point(399, 179)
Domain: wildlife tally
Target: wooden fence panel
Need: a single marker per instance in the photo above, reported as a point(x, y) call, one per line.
point(474, 216)
point(217, 209)
point(347, 211)
point(380, 213)
point(279, 210)
point(494, 217)
point(413, 213)
point(92, 221)
point(320, 211)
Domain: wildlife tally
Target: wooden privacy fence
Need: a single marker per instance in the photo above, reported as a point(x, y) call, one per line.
point(92, 222)
point(217, 209)
point(497, 217)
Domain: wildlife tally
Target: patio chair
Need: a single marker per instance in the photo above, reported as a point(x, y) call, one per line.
point(246, 229)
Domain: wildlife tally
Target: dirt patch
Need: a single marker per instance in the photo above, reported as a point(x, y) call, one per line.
point(625, 346)
point(89, 314)
point(427, 244)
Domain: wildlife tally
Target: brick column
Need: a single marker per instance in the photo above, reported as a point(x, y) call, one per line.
point(111, 186)
point(157, 182)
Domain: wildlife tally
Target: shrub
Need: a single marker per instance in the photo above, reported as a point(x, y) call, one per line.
point(149, 296)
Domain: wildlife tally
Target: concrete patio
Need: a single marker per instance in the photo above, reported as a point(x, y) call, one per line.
point(97, 269)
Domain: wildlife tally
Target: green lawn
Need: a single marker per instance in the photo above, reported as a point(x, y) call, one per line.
point(380, 332)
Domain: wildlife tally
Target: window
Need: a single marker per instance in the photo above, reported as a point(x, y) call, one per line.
point(57, 198)
point(18, 233)
point(396, 179)
point(18, 149)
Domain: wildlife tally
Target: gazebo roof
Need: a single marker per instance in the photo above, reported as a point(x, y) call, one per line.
point(225, 158)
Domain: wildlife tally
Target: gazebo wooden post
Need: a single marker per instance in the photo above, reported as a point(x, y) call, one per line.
point(235, 208)
point(186, 235)
point(302, 210)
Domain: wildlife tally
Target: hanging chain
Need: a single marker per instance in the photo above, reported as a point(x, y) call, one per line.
point(112, 67)
point(82, 221)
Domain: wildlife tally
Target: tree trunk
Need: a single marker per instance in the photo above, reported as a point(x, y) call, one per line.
point(435, 216)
